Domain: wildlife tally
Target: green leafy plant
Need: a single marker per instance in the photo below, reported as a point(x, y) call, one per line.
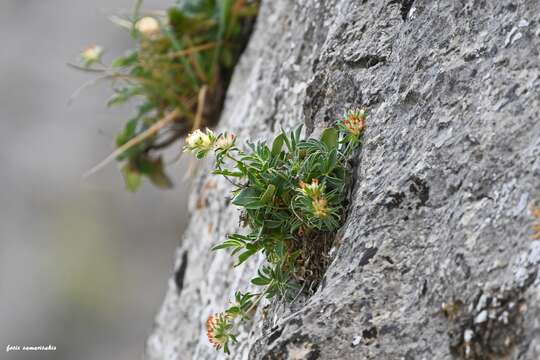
point(293, 197)
point(179, 71)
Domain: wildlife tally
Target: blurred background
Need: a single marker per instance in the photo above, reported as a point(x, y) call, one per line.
point(83, 263)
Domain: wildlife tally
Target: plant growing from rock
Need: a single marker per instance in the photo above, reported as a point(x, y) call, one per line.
point(179, 70)
point(293, 197)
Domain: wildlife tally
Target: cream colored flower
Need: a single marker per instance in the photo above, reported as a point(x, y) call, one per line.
point(148, 26)
point(199, 141)
point(320, 207)
point(194, 138)
point(92, 54)
point(225, 141)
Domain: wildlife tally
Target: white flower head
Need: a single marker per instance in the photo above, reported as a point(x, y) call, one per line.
point(148, 26)
point(92, 54)
point(199, 142)
point(225, 141)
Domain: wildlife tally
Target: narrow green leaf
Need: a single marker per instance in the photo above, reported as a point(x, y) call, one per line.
point(228, 244)
point(260, 281)
point(287, 140)
point(127, 60)
point(132, 178)
point(331, 161)
point(277, 145)
point(234, 310)
point(244, 256)
point(268, 194)
point(248, 198)
point(330, 138)
point(227, 173)
point(297, 133)
point(123, 95)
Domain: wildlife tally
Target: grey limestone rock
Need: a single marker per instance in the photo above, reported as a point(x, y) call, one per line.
point(439, 212)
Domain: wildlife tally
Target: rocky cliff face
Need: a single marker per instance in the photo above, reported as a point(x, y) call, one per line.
point(440, 208)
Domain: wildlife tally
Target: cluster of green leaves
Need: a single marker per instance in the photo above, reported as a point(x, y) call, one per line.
point(288, 191)
point(294, 186)
point(182, 62)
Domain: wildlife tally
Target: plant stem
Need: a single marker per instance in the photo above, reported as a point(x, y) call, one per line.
point(134, 141)
point(136, 9)
point(232, 157)
point(259, 298)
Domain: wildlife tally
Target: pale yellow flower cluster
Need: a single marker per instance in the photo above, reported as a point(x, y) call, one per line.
point(225, 141)
point(199, 142)
point(315, 192)
point(320, 207)
point(148, 26)
point(92, 54)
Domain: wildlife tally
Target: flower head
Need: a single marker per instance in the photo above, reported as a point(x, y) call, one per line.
point(92, 54)
point(354, 121)
point(312, 190)
point(199, 142)
point(315, 193)
point(320, 207)
point(225, 141)
point(218, 330)
point(148, 26)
